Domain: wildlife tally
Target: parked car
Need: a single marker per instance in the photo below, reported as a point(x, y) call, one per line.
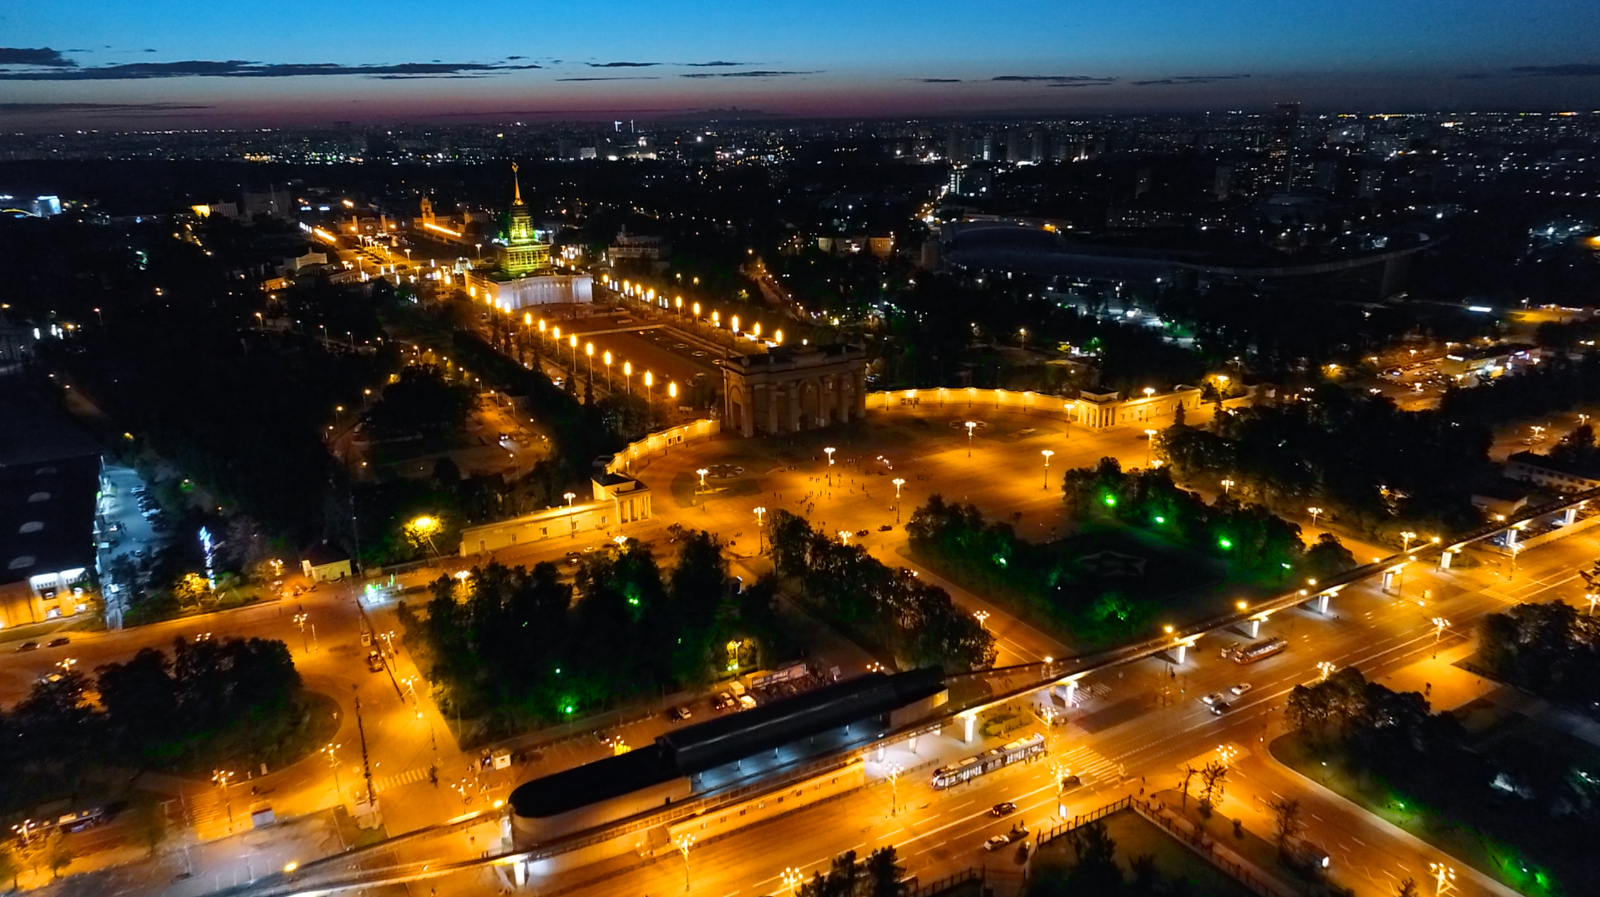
point(374, 661)
point(679, 714)
point(746, 702)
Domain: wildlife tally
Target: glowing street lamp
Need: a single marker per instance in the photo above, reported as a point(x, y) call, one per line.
point(970, 425)
point(792, 878)
point(844, 536)
point(683, 842)
point(1324, 670)
point(649, 385)
point(627, 375)
point(1315, 513)
point(1405, 540)
point(982, 616)
point(588, 349)
point(221, 777)
point(1048, 454)
point(1444, 879)
point(761, 528)
point(702, 472)
point(892, 772)
point(672, 392)
point(573, 342)
point(1226, 485)
point(898, 482)
point(1149, 437)
point(607, 359)
point(569, 496)
point(1439, 626)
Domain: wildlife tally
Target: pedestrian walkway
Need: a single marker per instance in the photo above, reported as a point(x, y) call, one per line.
point(387, 783)
point(1090, 766)
point(208, 814)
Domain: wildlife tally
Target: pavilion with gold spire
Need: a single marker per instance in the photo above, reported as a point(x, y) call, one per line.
point(523, 274)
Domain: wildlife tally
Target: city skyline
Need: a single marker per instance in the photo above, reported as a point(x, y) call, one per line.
point(109, 64)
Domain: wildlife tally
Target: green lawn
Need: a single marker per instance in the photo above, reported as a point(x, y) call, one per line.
point(1105, 586)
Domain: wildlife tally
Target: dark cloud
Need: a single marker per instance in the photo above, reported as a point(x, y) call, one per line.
point(34, 56)
point(620, 65)
point(1570, 70)
point(715, 63)
point(1474, 76)
point(148, 50)
point(236, 68)
point(617, 78)
point(1055, 80)
point(515, 58)
point(1188, 79)
point(755, 74)
point(938, 80)
point(92, 108)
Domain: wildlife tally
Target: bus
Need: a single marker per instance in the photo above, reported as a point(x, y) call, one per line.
point(1259, 650)
point(989, 761)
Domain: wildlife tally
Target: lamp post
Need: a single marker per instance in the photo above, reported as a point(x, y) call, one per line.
point(1048, 454)
point(829, 452)
point(588, 349)
point(702, 472)
point(607, 359)
point(1315, 513)
point(1405, 540)
point(844, 536)
point(627, 375)
point(1439, 626)
point(792, 878)
point(761, 528)
point(1149, 437)
point(1226, 485)
point(221, 777)
point(892, 773)
point(982, 616)
point(683, 843)
point(672, 395)
point(1444, 879)
point(573, 342)
point(333, 761)
point(971, 425)
point(649, 398)
point(898, 482)
point(1324, 670)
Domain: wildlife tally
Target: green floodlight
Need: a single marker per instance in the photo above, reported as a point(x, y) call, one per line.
point(1226, 543)
point(1111, 501)
point(1160, 519)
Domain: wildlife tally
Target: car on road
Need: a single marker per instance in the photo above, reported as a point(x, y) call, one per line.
point(1221, 707)
point(698, 354)
point(1072, 781)
point(27, 646)
point(679, 714)
point(573, 557)
point(1241, 688)
point(995, 843)
point(722, 701)
point(1212, 699)
point(57, 642)
point(374, 661)
point(746, 702)
point(1003, 808)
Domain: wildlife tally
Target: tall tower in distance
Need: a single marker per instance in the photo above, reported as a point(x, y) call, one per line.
point(1280, 145)
point(523, 253)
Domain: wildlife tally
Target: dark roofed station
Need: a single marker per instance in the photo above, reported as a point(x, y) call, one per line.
point(722, 754)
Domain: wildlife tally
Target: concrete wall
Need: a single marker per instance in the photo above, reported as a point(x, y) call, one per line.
point(636, 454)
point(555, 523)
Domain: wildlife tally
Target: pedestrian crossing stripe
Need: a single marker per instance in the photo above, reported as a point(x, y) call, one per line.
point(388, 783)
point(1088, 764)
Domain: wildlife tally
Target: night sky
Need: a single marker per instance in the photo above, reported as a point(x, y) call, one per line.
point(116, 63)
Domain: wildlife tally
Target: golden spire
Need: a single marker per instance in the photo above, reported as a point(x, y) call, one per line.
point(517, 184)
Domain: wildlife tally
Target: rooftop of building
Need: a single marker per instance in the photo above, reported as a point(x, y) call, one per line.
point(47, 511)
point(725, 739)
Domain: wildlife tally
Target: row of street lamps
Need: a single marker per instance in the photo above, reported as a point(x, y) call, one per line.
point(606, 358)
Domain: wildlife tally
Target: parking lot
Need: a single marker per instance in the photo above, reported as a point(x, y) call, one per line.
point(125, 530)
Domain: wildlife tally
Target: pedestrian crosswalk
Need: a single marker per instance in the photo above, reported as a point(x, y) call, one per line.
point(1089, 765)
point(387, 783)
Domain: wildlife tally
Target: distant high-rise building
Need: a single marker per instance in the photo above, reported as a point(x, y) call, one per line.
point(1280, 145)
point(1222, 182)
point(523, 252)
